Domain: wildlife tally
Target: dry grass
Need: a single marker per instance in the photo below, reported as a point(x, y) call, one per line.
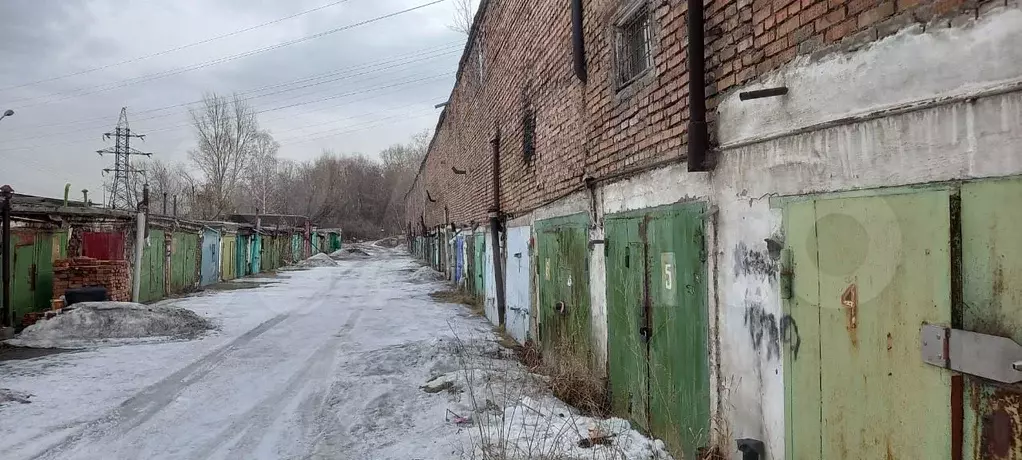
point(572, 380)
point(459, 297)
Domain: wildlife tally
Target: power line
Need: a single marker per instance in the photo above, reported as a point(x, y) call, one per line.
point(399, 61)
point(158, 129)
point(155, 76)
point(179, 48)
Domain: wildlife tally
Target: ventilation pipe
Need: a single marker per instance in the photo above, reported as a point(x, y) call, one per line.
point(85, 196)
point(578, 40)
point(67, 191)
point(698, 136)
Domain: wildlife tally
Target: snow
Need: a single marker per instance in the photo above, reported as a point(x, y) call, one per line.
point(318, 260)
point(426, 274)
point(88, 322)
point(327, 363)
point(350, 253)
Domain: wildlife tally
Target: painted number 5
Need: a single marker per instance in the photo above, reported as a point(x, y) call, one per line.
point(668, 276)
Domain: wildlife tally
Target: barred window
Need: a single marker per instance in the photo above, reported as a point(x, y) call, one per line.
point(529, 134)
point(633, 45)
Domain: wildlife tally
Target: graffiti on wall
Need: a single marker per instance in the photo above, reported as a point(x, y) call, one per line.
point(768, 333)
point(749, 262)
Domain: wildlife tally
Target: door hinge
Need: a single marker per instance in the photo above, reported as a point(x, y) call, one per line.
point(987, 356)
point(786, 275)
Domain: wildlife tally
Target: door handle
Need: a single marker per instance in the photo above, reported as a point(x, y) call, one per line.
point(646, 334)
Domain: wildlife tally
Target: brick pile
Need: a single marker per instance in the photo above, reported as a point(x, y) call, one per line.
point(78, 272)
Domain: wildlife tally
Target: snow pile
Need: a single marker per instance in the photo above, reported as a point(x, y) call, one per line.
point(100, 321)
point(349, 254)
point(318, 260)
point(426, 274)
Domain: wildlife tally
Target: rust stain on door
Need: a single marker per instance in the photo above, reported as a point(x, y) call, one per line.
point(850, 302)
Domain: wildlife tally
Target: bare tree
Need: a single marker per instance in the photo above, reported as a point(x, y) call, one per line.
point(226, 131)
point(172, 179)
point(261, 181)
point(464, 15)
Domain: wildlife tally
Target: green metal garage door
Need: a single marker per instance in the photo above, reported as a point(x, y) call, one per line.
point(657, 324)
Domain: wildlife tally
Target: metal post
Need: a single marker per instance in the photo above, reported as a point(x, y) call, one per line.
point(7, 193)
point(140, 231)
point(139, 243)
point(175, 205)
point(164, 203)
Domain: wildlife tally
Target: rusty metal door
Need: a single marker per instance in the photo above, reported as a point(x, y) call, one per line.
point(992, 295)
point(627, 352)
point(563, 284)
point(658, 324)
point(679, 375)
point(867, 272)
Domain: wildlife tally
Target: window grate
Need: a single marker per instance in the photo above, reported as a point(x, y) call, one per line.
point(529, 134)
point(634, 38)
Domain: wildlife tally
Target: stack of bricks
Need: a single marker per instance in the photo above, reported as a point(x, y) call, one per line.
point(87, 272)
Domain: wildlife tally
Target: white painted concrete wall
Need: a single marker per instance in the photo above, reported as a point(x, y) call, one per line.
point(518, 275)
point(926, 107)
point(489, 283)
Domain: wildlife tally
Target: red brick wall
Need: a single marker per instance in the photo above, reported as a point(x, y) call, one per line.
point(597, 129)
point(84, 272)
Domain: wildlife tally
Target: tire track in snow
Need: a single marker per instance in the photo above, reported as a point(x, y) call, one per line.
point(254, 424)
point(147, 403)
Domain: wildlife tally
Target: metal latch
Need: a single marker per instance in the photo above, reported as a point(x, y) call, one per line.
point(988, 356)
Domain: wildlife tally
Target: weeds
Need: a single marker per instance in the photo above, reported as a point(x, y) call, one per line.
point(513, 416)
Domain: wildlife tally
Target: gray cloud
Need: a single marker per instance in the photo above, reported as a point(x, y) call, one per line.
point(386, 77)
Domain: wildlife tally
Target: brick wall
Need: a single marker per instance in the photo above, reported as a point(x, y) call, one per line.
point(599, 129)
point(85, 272)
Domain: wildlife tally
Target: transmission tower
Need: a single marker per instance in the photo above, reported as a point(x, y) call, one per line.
point(123, 189)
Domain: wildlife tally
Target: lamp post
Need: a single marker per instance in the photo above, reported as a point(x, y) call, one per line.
point(6, 114)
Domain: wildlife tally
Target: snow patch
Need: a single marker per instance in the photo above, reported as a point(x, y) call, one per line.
point(426, 274)
point(349, 254)
point(88, 322)
point(318, 260)
point(513, 414)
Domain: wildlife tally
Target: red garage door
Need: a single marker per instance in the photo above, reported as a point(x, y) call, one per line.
point(103, 245)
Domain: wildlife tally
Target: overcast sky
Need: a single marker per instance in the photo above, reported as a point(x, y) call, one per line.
point(355, 90)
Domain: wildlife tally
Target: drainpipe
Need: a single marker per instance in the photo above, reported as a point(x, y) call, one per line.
point(698, 136)
point(578, 40)
point(5, 312)
point(498, 268)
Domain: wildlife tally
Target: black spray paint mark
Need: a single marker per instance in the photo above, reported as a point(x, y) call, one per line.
point(756, 263)
point(768, 334)
point(763, 329)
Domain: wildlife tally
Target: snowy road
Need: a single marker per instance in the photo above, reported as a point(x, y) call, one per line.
point(325, 363)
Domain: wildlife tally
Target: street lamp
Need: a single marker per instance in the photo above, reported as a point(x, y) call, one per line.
point(6, 114)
